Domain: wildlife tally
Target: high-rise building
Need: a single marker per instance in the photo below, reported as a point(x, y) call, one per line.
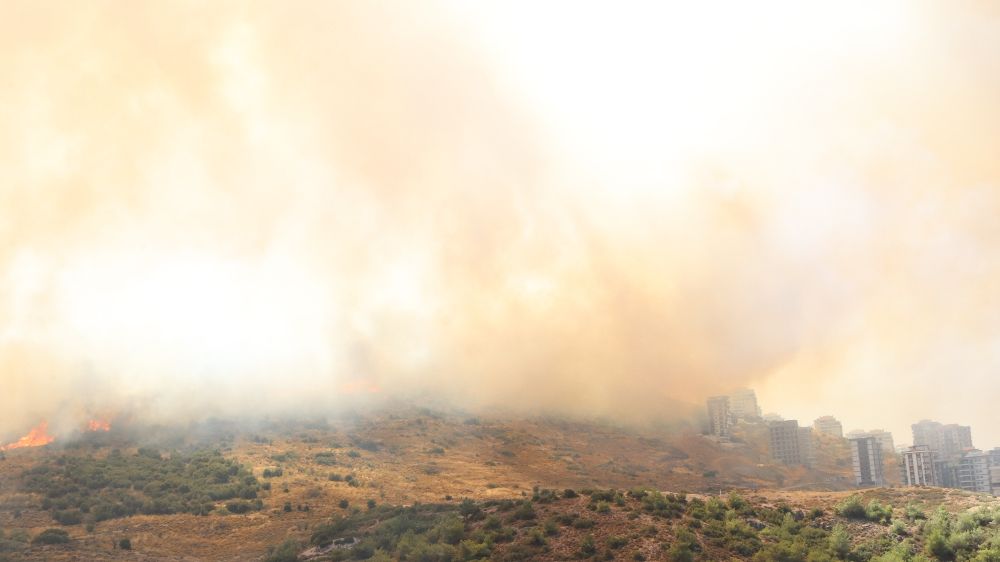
point(994, 454)
point(995, 478)
point(743, 404)
point(974, 472)
point(829, 425)
point(806, 450)
point(866, 455)
point(948, 441)
point(789, 445)
point(884, 438)
point(719, 416)
point(918, 467)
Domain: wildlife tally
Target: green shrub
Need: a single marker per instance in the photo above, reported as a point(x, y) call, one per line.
point(840, 542)
point(524, 512)
point(125, 544)
point(851, 508)
point(122, 485)
point(937, 545)
point(288, 551)
point(877, 512)
point(587, 547)
point(51, 536)
point(680, 553)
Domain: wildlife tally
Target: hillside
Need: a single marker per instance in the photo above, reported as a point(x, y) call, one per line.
point(174, 498)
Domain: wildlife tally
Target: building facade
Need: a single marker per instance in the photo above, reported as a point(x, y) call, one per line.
point(720, 417)
point(884, 438)
point(789, 444)
point(948, 441)
point(829, 425)
point(743, 404)
point(919, 468)
point(974, 472)
point(866, 456)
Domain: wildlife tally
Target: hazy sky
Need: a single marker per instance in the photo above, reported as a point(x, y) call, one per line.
point(580, 207)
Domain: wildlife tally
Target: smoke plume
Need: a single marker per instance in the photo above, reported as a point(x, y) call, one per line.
point(261, 207)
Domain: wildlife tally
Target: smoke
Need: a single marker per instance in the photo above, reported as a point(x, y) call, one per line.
point(257, 208)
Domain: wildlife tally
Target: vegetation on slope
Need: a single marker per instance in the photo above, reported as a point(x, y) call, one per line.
point(75, 489)
point(647, 525)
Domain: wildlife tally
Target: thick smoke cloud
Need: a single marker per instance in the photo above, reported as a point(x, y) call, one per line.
point(267, 208)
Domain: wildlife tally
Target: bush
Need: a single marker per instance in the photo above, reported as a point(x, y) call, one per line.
point(878, 513)
point(569, 493)
point(51, 536)
point(288, 551)
point(325, 458)
point(937, 545)
point(343, 504)
point(587, 547)
point(122, 485)
point(617, 542)
point(851, 508)
point(840, 542)
point(125, 544)
point(68, 517)
point(524, 512)
point(537, 538)
point(680, 553)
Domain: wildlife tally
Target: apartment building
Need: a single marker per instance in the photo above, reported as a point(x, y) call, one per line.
point(790, 444)
point(973, 472)
point(743, 404)
point(828, 425)
point(918, 466)
point(720, 418)
point(866, 456)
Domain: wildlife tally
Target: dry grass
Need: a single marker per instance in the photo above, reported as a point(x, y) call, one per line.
point(418, 457)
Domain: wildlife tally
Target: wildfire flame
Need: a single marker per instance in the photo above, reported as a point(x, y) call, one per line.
point(35, 438)
point(98, 425)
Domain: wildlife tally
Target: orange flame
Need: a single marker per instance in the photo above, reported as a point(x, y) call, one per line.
point(35, 438)
point(98, 425)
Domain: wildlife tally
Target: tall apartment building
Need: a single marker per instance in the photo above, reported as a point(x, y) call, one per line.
point(806, 450)
point(829, 425)
point(919, 468)
point(743, 404)
point(974, 472)
point(720, 417)
point(995, 478)
point(884, 438)
point(994, 454)
point(790, 445)
point(866, 455)
point(947, 440)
